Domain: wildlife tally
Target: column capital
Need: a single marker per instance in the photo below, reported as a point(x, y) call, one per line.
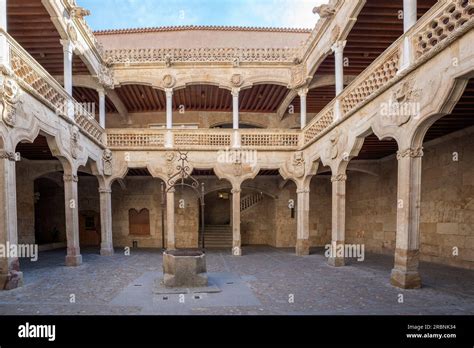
point(234, 191)
point(304, 190)
point(101, 91)
point(8, 155)
point(339, 178)
point(68, 45)
point(70, 178)
point(105, 190)
point(303, 91)
point(338, 46)
point(413, 153)
point(235, 92)
point(169, 92)
point(171, 190)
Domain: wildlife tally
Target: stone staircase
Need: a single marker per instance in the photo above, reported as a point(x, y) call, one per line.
point(218, 236)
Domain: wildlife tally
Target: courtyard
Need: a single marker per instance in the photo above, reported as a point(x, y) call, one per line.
point(265, 281)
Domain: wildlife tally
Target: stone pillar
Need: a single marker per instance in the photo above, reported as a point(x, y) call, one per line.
point(236, 238)
point(338, 218)
point(405, 273)
point(101, 93)
point(10, 275)
point(169, 118)
point(410, 17)
point(68, 49)
point(73, 257)
point(106, 245)
point(302, 222)
point(235, 118)
point(338, 49)
point(3, 14)
point(303, 92)
point(4, 51)
point(171, 240)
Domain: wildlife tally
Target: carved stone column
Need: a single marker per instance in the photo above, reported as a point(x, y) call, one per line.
point(73, 257)
point(68, 49)
point(303, 92)
point(235, 118)
point(169, 118)
point(338, 49)
point(101, 93)
point(338, 218)
point(410, 11)
point(10, 275)
point(405, 273)
point(236, 237)
point(171, 240)
point(302, 222)
point(106, 245)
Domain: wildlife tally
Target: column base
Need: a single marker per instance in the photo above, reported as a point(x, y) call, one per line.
point(73, 260)
point(302, 247)
point(336, 261)
point(405, 280)
point(107, 251)
point(12, 280)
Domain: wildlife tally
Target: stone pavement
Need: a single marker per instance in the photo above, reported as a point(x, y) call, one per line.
point(263, 281)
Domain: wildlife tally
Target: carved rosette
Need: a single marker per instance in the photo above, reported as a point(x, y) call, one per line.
point(9, 98)
point(107, 158)
point(412, 153)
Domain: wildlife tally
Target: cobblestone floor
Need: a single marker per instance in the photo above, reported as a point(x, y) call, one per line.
point(272, 275)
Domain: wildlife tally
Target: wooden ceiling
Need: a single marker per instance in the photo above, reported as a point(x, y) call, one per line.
point(38, 150)
point(29, 23)
point(89, 95)
point(316, 99)
point(260, 98)
point(377, 27)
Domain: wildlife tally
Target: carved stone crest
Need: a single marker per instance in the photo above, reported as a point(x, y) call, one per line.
point(237, 80)
point(106, 77)
point(298, 164)
point(403, 104)
point(298, 76)
point(107, 158)
point(337, 142)
point(168, 81)
point(169, 156)
point(9, 97)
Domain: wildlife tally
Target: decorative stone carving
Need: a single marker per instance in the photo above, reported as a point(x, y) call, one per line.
point(106, 77)
point(298, 76)
point(403, 104)
point(169, 156)
point(337, 141)
point(70, 178)
point(8, 155)
point(107, 158)
point(324, 11)
point(237, 167)
point(335, 32)
point(79, 12)
point(413, 153)
point(298, 164)
point(339, 177)
point(71, 32)
point(169, 81)
point(9, 97)
point(168, 62)
point(236, 62)
point(75, 147)
point(237, 80)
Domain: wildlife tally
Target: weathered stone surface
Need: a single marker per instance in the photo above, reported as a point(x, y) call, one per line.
point(184, 268)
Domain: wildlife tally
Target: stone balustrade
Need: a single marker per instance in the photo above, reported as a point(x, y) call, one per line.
point(34, 79)
point(207, 55)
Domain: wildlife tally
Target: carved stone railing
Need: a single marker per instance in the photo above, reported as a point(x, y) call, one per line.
point(444, 22)
point(36, 80)
point(202, 139)
point(197, 55)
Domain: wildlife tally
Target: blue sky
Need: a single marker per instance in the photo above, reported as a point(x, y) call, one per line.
point(116, 14)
